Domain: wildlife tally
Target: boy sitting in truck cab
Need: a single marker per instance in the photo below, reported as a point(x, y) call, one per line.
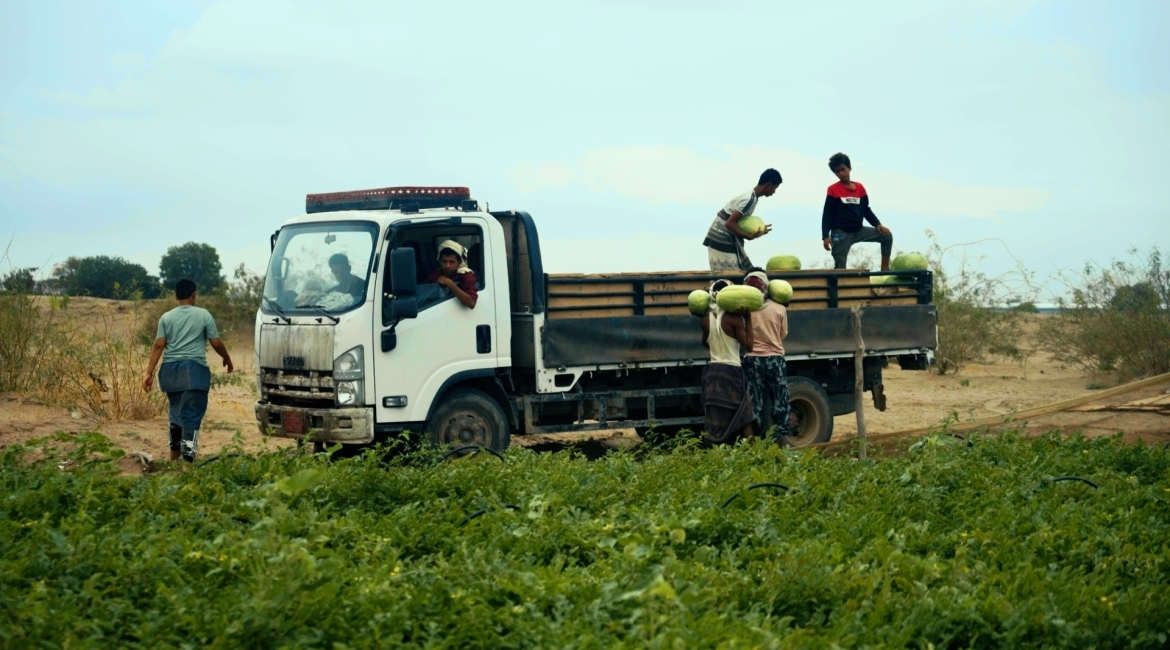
point(454, 274)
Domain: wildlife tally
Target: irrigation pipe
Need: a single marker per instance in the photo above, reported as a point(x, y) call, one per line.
point(478, 449)
point(754, 486)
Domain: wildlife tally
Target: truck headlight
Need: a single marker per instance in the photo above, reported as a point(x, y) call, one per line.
point(349, 393)
point(350, 365)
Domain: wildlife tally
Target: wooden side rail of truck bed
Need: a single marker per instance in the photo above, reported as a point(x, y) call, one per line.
point(665, 294)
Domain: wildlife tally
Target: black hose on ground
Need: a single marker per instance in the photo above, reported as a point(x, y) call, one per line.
point(754, 486)
point(483, 511)
point(1086, 481)
point(478, 449)
point(212, 459)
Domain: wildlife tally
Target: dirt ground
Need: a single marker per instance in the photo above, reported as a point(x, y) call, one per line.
point(914, 400)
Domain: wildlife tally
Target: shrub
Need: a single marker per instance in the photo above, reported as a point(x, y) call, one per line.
point(23, 335)
point(1115, 320)
point(973, 319)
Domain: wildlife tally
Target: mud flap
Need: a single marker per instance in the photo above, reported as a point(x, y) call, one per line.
point(879, 396)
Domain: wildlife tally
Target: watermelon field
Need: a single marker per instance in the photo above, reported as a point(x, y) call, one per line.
point(988, 541)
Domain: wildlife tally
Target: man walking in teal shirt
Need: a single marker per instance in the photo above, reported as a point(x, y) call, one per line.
point(181, 342)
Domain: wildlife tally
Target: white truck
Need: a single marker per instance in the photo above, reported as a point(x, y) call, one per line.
point(354, 344)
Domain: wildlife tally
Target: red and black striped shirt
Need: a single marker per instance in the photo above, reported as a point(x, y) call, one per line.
point(845, 208)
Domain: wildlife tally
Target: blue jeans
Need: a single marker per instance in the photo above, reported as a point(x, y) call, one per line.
point(186, 414)
point(186, 384)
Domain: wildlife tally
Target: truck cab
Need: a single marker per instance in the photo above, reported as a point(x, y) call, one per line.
point(340, 362)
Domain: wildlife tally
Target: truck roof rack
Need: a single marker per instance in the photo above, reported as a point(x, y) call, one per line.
point(388, 198)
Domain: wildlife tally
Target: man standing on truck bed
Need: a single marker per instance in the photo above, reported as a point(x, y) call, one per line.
point(726, 401)
point(725, 238)
point(181, 342)
point(764, 368)
point(845, 206)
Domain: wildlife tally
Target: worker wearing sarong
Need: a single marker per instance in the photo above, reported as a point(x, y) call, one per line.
point(726, 401)
point(764, 367)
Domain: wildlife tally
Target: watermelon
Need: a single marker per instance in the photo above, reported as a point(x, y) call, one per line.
point(699, 302)
point(909, 262)
point(780, 291)
point(739, 297)
point(884, 279)
point(784, 263)
point(750, 225)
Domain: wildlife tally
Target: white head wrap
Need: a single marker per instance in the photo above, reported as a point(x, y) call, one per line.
point(458, 250)
point(759, 275)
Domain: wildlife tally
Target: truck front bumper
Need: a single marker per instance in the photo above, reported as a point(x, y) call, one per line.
point(346, 425)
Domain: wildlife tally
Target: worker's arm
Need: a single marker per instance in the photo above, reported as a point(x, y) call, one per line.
point(827, 223)
point(156, 351)
point(705, 324)
point(221, 350)
point(467, 299)
point(740, 329)
point(867, 212)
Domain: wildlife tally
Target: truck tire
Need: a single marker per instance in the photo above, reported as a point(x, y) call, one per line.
point(814, 415)
point(466, 416)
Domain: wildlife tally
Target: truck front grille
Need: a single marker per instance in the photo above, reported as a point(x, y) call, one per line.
point(304, 388)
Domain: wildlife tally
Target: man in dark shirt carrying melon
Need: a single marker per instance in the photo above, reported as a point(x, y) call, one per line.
point(841, 222)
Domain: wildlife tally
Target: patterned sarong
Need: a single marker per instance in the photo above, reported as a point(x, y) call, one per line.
point(767, 380)
point(726, 402)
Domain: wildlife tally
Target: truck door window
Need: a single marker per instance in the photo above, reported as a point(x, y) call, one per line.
point(425, 240)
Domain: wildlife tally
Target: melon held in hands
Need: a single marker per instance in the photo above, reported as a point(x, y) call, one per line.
point(751, 225)
point(739, 297)
point(699, 302)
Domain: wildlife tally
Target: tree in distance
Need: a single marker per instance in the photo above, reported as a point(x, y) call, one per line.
point(19, 281)
point(103, 276)
point(194, 261)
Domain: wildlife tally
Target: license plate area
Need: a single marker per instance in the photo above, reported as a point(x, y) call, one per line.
point(293, 422)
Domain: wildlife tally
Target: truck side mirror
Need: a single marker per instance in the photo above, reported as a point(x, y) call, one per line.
point(389, 340)
point(402, 270)
point(403, 307)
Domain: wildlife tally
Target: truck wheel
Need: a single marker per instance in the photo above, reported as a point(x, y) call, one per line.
point(814, 415)
point(469, 417)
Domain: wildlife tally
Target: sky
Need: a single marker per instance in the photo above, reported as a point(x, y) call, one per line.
point(1040, 128)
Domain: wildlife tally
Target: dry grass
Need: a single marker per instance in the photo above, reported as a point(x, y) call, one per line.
point(68, 355)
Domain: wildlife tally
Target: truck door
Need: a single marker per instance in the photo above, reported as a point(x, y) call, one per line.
point(446, 338)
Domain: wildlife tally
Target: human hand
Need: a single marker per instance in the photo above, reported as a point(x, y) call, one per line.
point(147, 381)
point(828, 243)
point(767, 229)
point(883, 230)
point(446, 282)
point(227, 363)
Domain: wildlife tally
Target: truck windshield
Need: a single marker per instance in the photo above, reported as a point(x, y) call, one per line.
point(320, 266)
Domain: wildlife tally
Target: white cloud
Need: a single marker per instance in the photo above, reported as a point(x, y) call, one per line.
point(687, 176)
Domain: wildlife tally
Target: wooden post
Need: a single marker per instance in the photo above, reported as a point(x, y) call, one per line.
point(859, 379)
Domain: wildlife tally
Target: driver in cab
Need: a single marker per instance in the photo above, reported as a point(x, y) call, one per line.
point(348, 290)
point(454, 274)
